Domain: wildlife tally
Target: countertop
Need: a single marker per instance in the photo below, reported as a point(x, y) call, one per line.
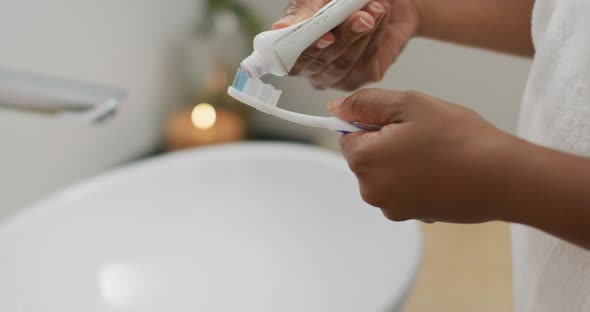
point(466, 268)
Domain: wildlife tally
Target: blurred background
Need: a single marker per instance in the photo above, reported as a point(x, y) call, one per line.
point(174, 59)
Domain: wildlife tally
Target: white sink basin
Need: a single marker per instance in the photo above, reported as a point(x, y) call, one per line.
point(250, 228)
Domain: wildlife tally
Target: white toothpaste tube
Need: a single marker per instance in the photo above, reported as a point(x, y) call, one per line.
point(277, 51)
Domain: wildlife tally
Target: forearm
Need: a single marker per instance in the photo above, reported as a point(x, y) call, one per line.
point(548, 190)
point(500, 25)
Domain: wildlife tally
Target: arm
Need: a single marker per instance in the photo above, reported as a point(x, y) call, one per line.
point(361, 49)
point(548, 190)
point(438, 161)
point(500, 25)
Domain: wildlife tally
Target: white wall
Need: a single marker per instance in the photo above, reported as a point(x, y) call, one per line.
point(131, 44)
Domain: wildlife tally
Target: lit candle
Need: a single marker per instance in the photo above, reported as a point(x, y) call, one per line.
point(203, 125)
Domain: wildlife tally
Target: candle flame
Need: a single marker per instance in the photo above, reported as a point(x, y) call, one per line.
point(204, 116)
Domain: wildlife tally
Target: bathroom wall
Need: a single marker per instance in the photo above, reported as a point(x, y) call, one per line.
point(133, 44)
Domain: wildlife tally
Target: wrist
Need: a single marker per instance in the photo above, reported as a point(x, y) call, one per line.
point(521, 177)
point(503, 157)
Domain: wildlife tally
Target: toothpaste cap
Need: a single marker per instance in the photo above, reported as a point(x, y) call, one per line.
point(254, 66)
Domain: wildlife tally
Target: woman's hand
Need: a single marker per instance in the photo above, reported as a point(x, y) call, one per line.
point(432, 161)
point(360, 50)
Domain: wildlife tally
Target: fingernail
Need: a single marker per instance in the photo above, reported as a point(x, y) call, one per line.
point(376, 7)
point(334, 105)
point(360, 26)
point(287, 20)
point(322, 44)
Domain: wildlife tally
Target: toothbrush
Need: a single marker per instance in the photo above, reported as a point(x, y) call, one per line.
point(265, 98)
point(277, 51)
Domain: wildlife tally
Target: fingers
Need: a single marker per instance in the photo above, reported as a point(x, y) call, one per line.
point(311, 54)
point(358, 56)
point(332, 59)
point(355, 28)
point(372, 63)
point(376, 106)
point(317, 58)
point(354, 148)
point(368, 69)
point(363, 72)
point(299, 10)
point(352, 38)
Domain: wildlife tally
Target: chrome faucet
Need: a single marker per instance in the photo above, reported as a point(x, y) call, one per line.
point(64, 99)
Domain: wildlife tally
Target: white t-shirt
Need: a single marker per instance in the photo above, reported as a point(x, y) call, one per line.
point(551, 275)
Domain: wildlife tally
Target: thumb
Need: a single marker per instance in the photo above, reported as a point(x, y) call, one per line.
point(373, 106)
point(297, 11)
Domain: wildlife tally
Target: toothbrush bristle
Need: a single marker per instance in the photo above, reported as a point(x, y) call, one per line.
point(266, 93)
point(274, 99)
point(250, 87)
point(256, 88)
point(241, 80)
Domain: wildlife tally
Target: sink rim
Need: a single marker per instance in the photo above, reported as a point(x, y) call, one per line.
point(313, 153)
point(79, 188)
